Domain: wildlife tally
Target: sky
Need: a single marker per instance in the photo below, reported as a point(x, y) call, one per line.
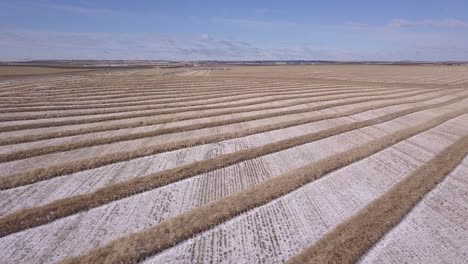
point(234, 30)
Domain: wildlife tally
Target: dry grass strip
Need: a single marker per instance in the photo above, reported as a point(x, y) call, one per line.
point(123, 85)
point(132, 101)
point(145, 105)
point(114, 84)
point(137, 246)
point(136, 97)
point(352, 238)
point(33, 152)
point(175, 111)
point(97, 96)
point(40, 215)
point(190, 92)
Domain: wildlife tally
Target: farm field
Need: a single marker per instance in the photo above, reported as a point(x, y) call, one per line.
point(8, 71)
point(245, 164)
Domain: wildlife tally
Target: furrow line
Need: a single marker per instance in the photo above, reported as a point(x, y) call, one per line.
point(349, 240)
point(339, 96)
point(40, 215)
point(100, 99)
point(138, 246)
point(33, 152)
point(235, 87)
point(150, 105)
point(60, 134)
point(78, 102)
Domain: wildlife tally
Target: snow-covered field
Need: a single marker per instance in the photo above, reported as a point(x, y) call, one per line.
point(234, 131)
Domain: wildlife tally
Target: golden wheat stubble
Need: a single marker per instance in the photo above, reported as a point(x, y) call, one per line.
point(142, 105)
point(32, 176)
point(254, 93)
point(33, 152)
point(350, 239)
point(83, 131)
point(136, 247)
point(43, 214)
point(174, 111)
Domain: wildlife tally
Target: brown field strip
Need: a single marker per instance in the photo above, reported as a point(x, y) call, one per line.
point(350, 239)
point(168, 98)
point(40, 215)
point(34, 70)
point(191, 88)
point(116, 101)
point(144, 105)
point(248, 86)
point(151, 105)
point(82, 131)
point(190, 91)
point(173, 111)
point(181, 103)
point(203, 140)
point(137, 246)
point(102, 88)
point(32, 152)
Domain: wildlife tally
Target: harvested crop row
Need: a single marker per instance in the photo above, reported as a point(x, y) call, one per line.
point(59, 88)
point(348, 241)
point(205, 101)
point(187, 88)
point(92, 152)
point(218, 183)
point(33, 152)
point(142, 105)
point(173, 98)
point(136, 247)
point(153, 149)
point(65, 86)
point(435, 230)
point(181, 137)
point(61, 208)
point(125, 97)
point(149, 122)
point(291, 223)
point(141, 97)
point(167, 120)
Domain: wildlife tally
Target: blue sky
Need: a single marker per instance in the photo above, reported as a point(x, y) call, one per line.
point(234, 30)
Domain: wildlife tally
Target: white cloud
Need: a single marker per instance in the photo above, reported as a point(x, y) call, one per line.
point(58, 45)
point(81, 9)
point(400, 23)
point(446, 23)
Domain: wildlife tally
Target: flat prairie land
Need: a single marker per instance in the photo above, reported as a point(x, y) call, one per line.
point(9, 71)
point(251, 164)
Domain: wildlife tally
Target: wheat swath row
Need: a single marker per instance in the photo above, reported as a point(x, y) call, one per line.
point(238, 89)
point(143, 98)
point(175, 88)
point(390, 113)
point(138, 246)
point(194, 89)
point(170, 95)
point(82, 107)
point(255, 114)
point(158, 105)
point(147, 150)
point(151, 150)
point(32, 152)
point(151, 105)
point(149, 182)
point(247, 108)
point(160, 179)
